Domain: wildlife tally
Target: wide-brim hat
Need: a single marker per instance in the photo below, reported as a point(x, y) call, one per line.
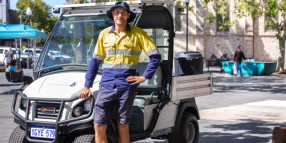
point(122, 5)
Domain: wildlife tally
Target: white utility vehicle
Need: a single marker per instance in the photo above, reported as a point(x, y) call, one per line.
point(49, 110)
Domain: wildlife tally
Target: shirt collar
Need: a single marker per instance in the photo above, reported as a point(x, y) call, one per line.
point(113, 28)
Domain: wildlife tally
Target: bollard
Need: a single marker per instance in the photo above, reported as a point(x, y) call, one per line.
point(279, 135)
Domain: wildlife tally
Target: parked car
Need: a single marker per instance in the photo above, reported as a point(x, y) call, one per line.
point(31, 50)
point(28, 56)
point(64, 59)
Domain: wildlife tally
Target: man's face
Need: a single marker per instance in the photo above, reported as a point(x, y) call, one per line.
point(240, 48)
point(120, 16)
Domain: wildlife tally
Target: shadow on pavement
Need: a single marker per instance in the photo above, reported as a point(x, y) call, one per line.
point(10, 84)
point(12, 91)
point(247, 131)
point(272, 89)
point(265, 84)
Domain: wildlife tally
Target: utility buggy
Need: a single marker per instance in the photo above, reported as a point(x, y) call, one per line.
point(49, 110)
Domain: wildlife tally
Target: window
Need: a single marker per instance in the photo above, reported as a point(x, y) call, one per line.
point(73, 41)
point(221, 22)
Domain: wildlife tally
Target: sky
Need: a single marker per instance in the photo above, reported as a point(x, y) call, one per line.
point(52, 3)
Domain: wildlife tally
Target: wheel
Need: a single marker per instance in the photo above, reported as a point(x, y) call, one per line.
point(188, 131)
point(88, 137)
point(18, 136)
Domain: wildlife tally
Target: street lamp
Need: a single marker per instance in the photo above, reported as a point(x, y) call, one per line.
point(187, 23)
point(29, 13)
point(19, 59)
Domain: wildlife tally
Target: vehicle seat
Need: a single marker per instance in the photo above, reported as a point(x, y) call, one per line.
point(146, 88)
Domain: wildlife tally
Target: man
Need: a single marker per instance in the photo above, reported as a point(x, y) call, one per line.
point(121, 46)
point(238, 56)
point(9, 56)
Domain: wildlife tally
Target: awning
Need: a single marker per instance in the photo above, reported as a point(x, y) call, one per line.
point(15, 31)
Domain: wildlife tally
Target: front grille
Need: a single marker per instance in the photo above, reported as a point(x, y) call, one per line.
point(53, 110)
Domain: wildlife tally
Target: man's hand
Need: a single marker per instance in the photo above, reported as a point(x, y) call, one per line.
point(85, 93)
point(135, 79)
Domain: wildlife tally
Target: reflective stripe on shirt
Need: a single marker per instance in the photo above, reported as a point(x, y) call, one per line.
point(122, 52)
point(119, 66)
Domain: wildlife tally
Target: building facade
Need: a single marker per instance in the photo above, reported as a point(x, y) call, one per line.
point(4, 11)
point(257, 41)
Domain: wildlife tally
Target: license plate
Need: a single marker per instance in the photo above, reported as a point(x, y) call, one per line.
point(43, 131)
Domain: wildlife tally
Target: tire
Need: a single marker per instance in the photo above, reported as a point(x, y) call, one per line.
point(188, 131)
point(18, 136)
point(84, 137)
point(88, 137)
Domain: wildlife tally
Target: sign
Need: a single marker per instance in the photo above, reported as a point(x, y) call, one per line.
point(42, 131)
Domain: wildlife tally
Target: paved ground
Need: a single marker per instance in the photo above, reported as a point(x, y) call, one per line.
point(241, 110)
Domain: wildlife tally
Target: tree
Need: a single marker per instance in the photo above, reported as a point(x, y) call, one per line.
point(251, 8)
point(41, 17)
point(256, 9)
point(273, 9)
point(76, 1)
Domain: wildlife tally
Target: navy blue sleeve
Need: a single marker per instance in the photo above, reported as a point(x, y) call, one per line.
point(92, 72)
point(152, 66)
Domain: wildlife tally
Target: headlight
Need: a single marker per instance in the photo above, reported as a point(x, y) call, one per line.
point(23, 103)
point(87, 105)
point(77, 111)
point(82, 108)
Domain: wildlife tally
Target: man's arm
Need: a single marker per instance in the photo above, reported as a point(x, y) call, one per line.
point(234, 57)
point(243, 55)
point(89, 77)
point(92, 71)
point(152, 66)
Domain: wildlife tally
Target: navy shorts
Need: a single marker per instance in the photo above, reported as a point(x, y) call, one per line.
point(108, 100)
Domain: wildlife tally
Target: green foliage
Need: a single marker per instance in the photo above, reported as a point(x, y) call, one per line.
point(181, 6)
point(221, 7)
point(253, 8)
point(41, 17)
point(226, 25)
point(76, 1)
point(272, 10)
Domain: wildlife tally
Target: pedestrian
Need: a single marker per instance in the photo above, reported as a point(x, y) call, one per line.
point(121, 45)
point(237, 59)
point(9, 56)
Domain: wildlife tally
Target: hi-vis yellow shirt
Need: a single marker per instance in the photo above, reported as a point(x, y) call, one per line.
point(123, 51)
point(121, 56)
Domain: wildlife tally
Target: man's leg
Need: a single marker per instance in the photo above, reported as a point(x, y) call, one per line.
point(124, 114)
point(240, 70)
point(103, 113)
point(123, 130)
point(100, 133)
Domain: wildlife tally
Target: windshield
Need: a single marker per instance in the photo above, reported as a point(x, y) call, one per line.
point(73, 41)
